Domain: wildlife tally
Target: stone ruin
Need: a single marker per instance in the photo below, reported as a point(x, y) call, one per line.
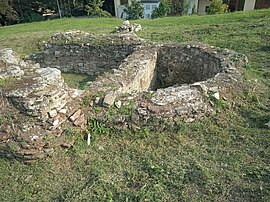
point(164, 81)
point(128, 27)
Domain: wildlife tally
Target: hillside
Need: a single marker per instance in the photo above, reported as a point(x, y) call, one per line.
point(222, 158)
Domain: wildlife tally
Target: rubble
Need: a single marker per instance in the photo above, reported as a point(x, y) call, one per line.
point(128, 27)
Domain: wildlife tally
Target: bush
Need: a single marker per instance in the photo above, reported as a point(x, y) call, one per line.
point(217, 7)
point(134, 10)
point(163, 10)
point(94, 9)
point(35, 17)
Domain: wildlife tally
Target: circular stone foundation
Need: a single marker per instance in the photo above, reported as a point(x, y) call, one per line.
point(190, 79)
point(177, 65)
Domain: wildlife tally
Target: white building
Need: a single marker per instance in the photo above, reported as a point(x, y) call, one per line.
point(201, 6)
point(148, 5)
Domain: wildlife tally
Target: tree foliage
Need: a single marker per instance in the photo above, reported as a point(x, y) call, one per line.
point(134, 10)
point(7, 14)
point(163, 10)
point(94, 9)
point(13, 11)
point(179, 7)
point(216, 7)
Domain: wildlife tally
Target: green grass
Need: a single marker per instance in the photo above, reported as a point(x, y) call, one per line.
point(223, 158)
point(78, 81)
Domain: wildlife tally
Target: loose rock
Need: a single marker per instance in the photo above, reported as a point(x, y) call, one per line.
point(52, 113)
point(118, 104)
point(109, 99)
point(75, 115)
point(216, 96)
point(213, 89)
point(128, 27)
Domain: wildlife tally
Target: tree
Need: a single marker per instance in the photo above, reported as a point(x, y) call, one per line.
point(28, 10)
point(217, 7)
point(109, 6)
point(184, 5)
point(7, 14)
point(163, 10)
point(94, 9)
point(134, 10)
point(179, 7)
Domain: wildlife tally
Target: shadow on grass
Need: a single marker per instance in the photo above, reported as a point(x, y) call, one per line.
point(255, 118)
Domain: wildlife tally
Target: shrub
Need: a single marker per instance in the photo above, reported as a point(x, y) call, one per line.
point(94, 9)
point(217, 7)
point(163, 10)
point(134, 10)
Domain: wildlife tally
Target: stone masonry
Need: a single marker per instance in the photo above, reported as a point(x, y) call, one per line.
point(182, 81)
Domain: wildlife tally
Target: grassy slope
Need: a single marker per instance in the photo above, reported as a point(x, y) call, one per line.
point(223, 158)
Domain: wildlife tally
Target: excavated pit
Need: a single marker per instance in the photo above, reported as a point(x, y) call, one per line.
point(85, 59)
point(178, 65)
point(175, 65)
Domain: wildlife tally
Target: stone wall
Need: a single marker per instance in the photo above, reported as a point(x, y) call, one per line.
point(37, 92)
point(183, 82)
point(85, 58)
point(140, 68)
point(134, 75)
point(184, 65)
point(190, 79)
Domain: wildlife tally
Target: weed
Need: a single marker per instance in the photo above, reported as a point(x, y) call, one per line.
point(6, 82)
point(218, 103)
point(96, 128)
point(6, 118)
point(1, 119)
point(76, 136)
point(127, 109)
point(143, 133)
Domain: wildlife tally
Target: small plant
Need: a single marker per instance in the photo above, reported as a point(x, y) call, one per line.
point(134, 10)
point(251, 96)
point(6, 81)
point(127, 109)
point(143, 133)
point(1, 119)
point(181, 127)
point(217, 7)
point(219, 104)
point(78, 138)
point(67, 131)
point(235, 58)
point(6, 118)
point(96, 109)
point(96, 128)
point(87, 100)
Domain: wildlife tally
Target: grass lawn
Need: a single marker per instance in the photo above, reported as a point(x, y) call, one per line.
point(222, 158)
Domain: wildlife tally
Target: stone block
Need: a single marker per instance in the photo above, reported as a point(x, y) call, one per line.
point(75, 115)
point(109, 99)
